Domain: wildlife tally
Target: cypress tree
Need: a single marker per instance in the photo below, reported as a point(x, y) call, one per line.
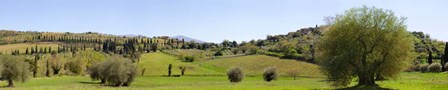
point(40, 50)
point(45, 49)
point(27, 51)
point(169, 69)
point(430, 57)
point(35, 49)
point(32, 50)
point(47, 73)
point(445, 56)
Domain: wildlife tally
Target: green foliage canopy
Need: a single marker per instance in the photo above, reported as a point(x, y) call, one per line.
point(365, 42)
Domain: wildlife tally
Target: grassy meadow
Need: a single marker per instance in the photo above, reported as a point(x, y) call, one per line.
point(210, 75)
point(407, 81)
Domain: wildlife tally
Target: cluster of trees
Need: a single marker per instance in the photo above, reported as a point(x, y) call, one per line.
point(182, 69)
point(114, 71)
point(103, 42)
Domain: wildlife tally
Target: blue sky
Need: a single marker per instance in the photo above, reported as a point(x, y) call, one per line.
point(208, 20)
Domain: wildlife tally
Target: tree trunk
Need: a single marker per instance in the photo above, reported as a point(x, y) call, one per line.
point(56, 71)
point(182, 72)
point(126, 84)
point(10, 83)
point(379, 77)
point(143, 71)
point(34, 73)
point(366, 79)
point(103, 81)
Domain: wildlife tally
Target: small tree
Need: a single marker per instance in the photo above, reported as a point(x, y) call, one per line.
point(293, 73)
point(270, 74)
point(182, 70)
point(169, 69)
point(56, 63)
point(13, 69)
point(235, 74)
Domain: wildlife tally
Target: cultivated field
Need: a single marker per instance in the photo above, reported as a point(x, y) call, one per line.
point(6, 49)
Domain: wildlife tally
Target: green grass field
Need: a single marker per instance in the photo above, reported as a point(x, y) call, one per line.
point(255, 65)
point(156, 64)
point(210, 75)
point(407, 81)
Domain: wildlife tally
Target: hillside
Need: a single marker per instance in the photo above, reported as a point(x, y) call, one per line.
point(156, 64)
point(6, 49)
point(255, 65)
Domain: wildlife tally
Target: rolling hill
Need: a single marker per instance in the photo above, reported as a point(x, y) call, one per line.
point(255, 65)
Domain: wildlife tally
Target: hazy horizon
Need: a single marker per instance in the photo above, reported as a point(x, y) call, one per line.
point(211, 21)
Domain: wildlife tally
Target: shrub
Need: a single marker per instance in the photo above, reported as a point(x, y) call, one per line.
point(73, 67)
point(189, 58)
point(292, 54)
point(235, 74)
point(446, 66)
point(117, 71)
point(270, 74)
point(412, 68)
point(435, 67)
point(273, 54)
point(424, 68)
point(218, 53)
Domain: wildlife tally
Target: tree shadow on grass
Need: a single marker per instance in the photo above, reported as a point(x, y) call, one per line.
point(5, 87)
point(357, 87)
point(89, 82)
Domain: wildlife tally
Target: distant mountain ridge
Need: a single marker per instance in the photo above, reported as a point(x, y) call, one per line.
point(187, 39)
point(130, 35)
point(180, 37)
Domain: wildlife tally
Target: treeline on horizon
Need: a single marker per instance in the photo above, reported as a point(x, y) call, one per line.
point(298, 45)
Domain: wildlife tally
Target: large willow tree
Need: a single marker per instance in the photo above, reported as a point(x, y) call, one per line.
point(362, 43)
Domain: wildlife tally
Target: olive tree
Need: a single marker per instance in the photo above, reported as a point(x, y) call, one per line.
point(293, 73)
point(362, 43)
point(270, 74)
point(13, 68)
point(235, 74)
point(117, 71)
